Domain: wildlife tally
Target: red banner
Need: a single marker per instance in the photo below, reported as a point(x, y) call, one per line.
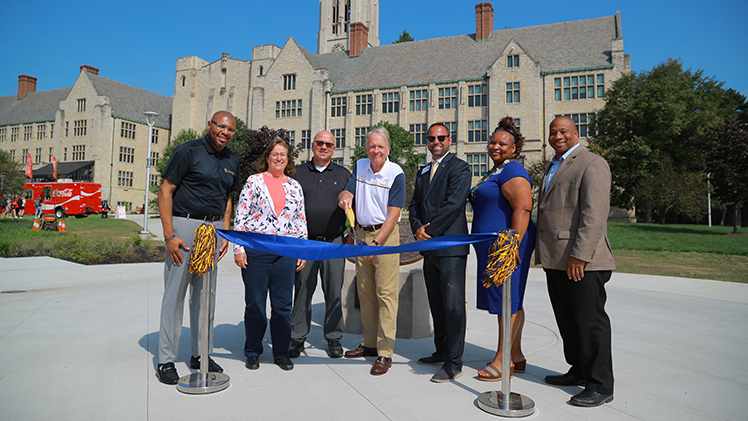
point(29, 170)
point(54, 166)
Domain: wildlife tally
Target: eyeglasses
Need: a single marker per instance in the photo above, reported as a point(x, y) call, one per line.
point(278, 155)
point(222, 127)
point(433, 138)
point(320, 143)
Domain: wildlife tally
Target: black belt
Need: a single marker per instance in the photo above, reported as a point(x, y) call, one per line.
point(208, 218)
point(324, 238)
point(370, 228)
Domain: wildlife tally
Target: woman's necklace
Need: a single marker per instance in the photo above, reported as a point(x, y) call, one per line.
point(495, 170)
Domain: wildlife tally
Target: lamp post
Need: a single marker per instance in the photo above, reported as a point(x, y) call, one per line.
point(150, 118)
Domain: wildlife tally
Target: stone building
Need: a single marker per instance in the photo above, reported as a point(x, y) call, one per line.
point(469, 82)
point(95, 129)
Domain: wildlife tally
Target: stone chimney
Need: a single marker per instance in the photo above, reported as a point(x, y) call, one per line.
point(483, 21)
point(90, 69)
point(359, 39)
point(26, 84)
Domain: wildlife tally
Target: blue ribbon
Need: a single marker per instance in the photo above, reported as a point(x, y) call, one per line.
point(317, 250)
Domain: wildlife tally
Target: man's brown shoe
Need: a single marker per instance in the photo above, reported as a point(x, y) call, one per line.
point(381, 366)
point(361, 351)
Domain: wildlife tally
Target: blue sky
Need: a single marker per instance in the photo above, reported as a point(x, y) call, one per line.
point(138, 42)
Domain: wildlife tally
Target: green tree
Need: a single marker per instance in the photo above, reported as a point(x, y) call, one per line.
point(404, 37)
point(655, 115)
point(727, 162)
point(670, 190)
point(12, 177)
point(536, 171)
point(402, 152)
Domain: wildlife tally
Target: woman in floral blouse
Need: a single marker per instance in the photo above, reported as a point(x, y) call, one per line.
point(270, 203)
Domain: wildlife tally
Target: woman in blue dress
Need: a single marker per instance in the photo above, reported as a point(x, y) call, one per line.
point(503, 199)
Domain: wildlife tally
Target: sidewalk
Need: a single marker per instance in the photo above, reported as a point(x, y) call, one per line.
point(80, 342)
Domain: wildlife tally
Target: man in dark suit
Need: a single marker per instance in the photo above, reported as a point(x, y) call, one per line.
point(573, 247)
point(437, 209)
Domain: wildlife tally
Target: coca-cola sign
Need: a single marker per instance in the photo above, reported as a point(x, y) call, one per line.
point(63, 193)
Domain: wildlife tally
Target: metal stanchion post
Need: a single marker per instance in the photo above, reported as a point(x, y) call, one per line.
point(505, 403)
point(204, 382)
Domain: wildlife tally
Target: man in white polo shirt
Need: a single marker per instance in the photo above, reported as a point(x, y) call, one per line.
point(378, 187)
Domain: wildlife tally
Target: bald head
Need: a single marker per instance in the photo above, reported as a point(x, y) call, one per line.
point(221, 129)
point(562, 135)
point(323, 147)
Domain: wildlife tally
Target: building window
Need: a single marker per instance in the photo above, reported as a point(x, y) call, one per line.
point(363, 104)
point(452, 127)
point(38, 155)
point(512, 92)
point(52, 131)
point(82, 104)
point(126, 205)
point(79, 128)
point(419, 100)
point(579, 87)
point(50, 154)
point(13, 154)
point(3, 132)
point(41, 131)
point(419, 132)
point(124, 178)
point(79, 152)
point(127, 130)
point(292, 138)
point(290, 108)
point(155, 180)
point(13, 134)
point(338, 161)
point(126, 154)
point(477, 130)
point(477, 162)
point(339, 106)
point(517, 123)
point(27, 132)
point(391, 102)
point(512, 61)
point(67, 128)
point(580, 121)
point(154, 158)
point(306, 139)
point(289, 82)
point(64, 154)
point(24, 156)
point(339, 137)
point(478, 95)
point(361, 136)
point(154, 138)
point(447, 98)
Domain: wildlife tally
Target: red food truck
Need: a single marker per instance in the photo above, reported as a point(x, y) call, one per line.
point(65, 198)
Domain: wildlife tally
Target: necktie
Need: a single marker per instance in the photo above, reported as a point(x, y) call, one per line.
point(434, 165)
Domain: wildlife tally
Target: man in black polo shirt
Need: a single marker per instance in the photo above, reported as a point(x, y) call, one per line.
point(322, 182)
point(196, 187)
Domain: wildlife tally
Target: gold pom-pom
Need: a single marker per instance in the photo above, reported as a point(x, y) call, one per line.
point(501, 258)
point(203, 254)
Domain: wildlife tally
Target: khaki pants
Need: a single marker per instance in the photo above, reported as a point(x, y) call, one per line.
point(378, 283)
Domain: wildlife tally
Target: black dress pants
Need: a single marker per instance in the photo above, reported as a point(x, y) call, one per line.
point(584, 325)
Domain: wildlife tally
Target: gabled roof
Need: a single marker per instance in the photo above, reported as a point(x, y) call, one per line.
point(556, 47)
point(33, 107)
point(129, 102)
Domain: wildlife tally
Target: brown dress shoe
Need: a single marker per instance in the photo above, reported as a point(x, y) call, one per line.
point(381, 366)
point(361, 351)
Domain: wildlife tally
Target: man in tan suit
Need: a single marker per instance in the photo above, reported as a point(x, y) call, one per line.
point(573, 247)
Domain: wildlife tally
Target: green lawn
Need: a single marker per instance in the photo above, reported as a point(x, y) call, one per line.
point(681, 238)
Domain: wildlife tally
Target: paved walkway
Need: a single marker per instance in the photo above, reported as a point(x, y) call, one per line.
point(79, 342)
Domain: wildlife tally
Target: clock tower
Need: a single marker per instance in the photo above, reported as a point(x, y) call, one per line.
point(336, 17)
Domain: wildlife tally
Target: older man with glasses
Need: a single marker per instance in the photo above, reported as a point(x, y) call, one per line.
point(436, 209)
point(322, 181)
point(196, 187)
